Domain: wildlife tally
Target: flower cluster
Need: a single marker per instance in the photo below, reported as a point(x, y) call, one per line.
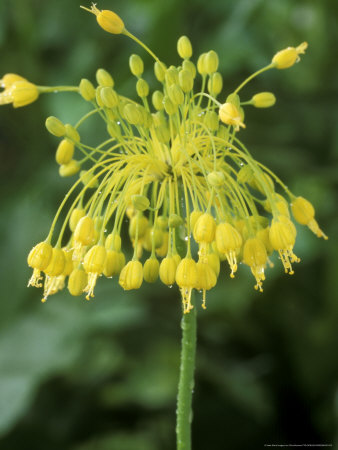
point(175, 167)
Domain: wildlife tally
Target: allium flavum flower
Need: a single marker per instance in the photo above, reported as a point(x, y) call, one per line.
point(173, 165)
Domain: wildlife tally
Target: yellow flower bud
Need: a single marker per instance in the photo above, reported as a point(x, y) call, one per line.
point(289, 56)
point(108, 20)
point(245, 174)
point(211, 62)
point(56, 264)
point(263, 235)
point(131, 275)
point(94, 259)
point(69, 169)
point(55, 126)
point(168, 268)
point(212, 259)
point(186, 80)
point(84, 231)
point(206, 279)
point(201, 64)
point(169, 106)
point(77, 282)
point(282, 238)
point(23, 93)
point(304, 213)
point(64, 152)
point(132, 114)
point(163, 250)
point(263, 100)
point(190, 66)
point(88, 179)
point(153, 235)
point(150, 270)
point(160, 71)
point(136, 65)
point(69, 264)
point(40, 256)
point(175, 94)
point(87, 90)
point(255, 256)
point(142, 88)
point(72, 133)
point(138, 222)
point(228, 243)
point(9, 79)
point(204, 229)
point(75, 216)
point(186, 279)
point(171, 76)
point(231, 115)
point(215, 84)
point(140, 202)
point(302, 210)
point(113, 242)
point(104, 78)
point(184, 48)
point(194, 216)
point(157, 99)
point(109, 97)
point(216, 179)
point(114, 262)
point(174, 221)
point(211, 120)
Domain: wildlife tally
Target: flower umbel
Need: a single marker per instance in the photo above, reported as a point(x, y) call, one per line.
point(172, 163)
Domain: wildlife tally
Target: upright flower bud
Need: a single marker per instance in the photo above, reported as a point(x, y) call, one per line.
point(176, 94)
point(140, 202)
point(215, 84)
point(211, 62)
point(142, 88)
point(186, 80)
point(136, 65)
point(157, 99)
point(87, 90)
point(160, 71)
point(104, 78)
point(184, 48)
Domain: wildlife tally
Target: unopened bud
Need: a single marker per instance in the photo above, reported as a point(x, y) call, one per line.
point(142, 88)
point(136, 65)
point(263, 100)
point(87, 89)
point(55, 126)
point(140, 202)
point(104, 78)
point(184, 48)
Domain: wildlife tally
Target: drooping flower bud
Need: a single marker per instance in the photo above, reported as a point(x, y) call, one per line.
point(131, 276)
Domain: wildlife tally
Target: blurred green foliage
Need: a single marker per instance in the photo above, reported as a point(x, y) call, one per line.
point(102, 375)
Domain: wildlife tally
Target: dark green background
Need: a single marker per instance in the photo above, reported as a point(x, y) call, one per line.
point(102, 375)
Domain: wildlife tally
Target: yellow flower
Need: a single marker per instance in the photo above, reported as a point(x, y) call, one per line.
point(173, 167)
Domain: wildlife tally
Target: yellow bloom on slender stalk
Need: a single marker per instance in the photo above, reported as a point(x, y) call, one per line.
point(173, 167)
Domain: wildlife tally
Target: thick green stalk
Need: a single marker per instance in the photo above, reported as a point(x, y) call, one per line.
point(186, 381)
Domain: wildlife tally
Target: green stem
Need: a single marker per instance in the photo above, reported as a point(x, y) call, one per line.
point(186, 381)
